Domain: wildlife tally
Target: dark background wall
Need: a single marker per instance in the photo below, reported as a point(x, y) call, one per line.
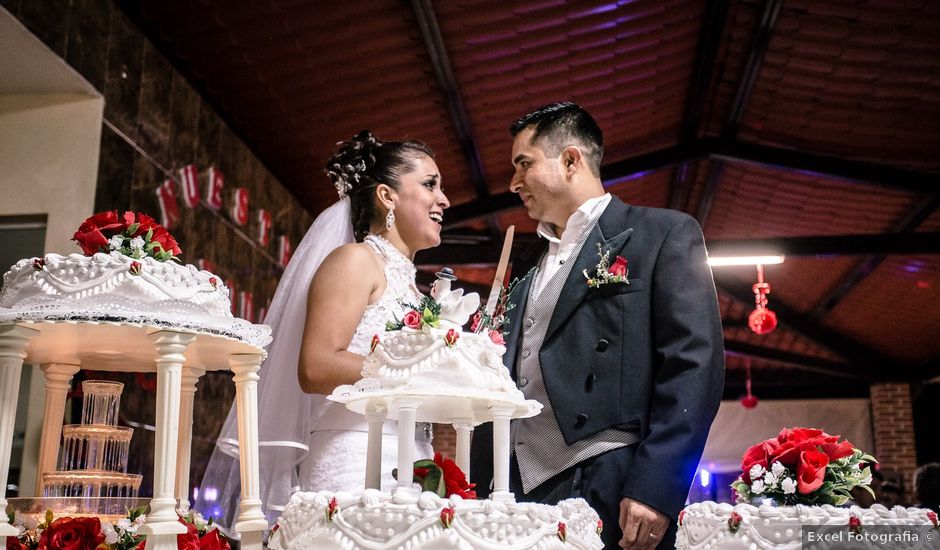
point(166, 125)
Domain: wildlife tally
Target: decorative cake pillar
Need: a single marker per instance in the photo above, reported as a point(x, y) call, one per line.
point(162, 524)
point(58, 381)
point(251, 522)
point(375, 417)
point(190, 377)
point(463, 427)
point(407, 415)
point(502, 413)
point(13, 340)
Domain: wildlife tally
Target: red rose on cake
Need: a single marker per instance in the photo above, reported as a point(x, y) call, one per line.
point(444, 477)
point(133, 234)
point(72, 534)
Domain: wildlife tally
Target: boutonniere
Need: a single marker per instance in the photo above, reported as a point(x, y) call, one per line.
point(606, 273)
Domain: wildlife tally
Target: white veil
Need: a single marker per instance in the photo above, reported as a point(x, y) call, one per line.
point(284, 411)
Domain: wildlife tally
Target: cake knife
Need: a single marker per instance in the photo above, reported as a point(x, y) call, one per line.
point(500, 271)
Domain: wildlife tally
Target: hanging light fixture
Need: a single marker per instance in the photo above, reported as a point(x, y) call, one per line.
point(762, 320)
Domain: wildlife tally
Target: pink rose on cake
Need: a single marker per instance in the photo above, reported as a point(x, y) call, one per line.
point(412, 319)
point(805, 466)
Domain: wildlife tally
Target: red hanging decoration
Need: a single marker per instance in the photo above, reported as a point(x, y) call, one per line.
point(762, 320)
point(749, 401)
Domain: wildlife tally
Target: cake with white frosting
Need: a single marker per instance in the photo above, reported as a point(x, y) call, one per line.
point(801, 480)
point(710, 525)
point(128, 278)
point(376, 520)
point(427, 369)
point(428, 355)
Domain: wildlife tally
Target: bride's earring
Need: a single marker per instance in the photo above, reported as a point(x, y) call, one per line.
point(390, 219)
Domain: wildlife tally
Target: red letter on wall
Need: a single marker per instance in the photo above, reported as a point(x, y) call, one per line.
point(214, 188)
point(169, 209)
point(239, 212)
point(190, 183)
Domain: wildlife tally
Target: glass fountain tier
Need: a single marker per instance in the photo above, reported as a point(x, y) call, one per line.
point(93, 458)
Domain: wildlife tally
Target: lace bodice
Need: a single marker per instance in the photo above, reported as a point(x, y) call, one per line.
point(400, 287)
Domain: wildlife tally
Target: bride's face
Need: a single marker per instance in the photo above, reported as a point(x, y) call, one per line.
point(420, 207)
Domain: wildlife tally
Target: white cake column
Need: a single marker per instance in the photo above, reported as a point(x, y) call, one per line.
point(251, 522)
point(502, 414)
point(13, 340)
point(58, 381)
point(375, 417)
point(162, 525)
point(407, 414)
point(188, 383)
point(463, 427)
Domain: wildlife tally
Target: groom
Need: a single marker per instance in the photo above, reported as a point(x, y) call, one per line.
point(616, 331)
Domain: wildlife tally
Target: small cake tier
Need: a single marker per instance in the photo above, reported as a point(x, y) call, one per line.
point(120, 288)
point(455, 375)
point(426, 521)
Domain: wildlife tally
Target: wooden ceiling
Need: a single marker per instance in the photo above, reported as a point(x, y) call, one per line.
point(811, 127)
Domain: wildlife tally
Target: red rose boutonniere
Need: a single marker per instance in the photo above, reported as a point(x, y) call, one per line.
point(606, 273)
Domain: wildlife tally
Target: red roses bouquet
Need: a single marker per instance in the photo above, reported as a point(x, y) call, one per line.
point(443, 477)
point(803, 466)
point(135, 235)
point(90, 533)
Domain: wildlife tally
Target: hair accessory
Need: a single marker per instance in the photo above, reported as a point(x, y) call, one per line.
point(345, 175)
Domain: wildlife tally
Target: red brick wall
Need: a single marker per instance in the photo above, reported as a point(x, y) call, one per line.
point(894, 430)
point(445, 440)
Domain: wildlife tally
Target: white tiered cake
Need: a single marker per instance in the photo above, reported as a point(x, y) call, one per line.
point(431, 371)
point(116, 287)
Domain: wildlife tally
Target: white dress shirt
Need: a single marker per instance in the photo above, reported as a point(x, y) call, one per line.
point(559, 249)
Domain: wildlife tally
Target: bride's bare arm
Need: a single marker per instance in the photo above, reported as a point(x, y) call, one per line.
point(348, 280)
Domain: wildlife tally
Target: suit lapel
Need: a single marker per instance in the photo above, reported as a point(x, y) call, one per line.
point(611, 233)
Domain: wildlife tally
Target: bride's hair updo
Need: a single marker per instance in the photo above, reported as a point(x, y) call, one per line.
point(364, 162)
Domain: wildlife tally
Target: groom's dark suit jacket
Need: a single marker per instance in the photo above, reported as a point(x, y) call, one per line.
point(644, 356)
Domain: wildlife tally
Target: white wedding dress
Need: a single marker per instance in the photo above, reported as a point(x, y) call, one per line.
point(337, 442)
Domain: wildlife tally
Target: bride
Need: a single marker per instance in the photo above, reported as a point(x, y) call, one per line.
point(348, 277)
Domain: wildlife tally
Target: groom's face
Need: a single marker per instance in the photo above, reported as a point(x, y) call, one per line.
point(539, 180)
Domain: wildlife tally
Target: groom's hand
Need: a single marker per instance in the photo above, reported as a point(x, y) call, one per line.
point(643, 527)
